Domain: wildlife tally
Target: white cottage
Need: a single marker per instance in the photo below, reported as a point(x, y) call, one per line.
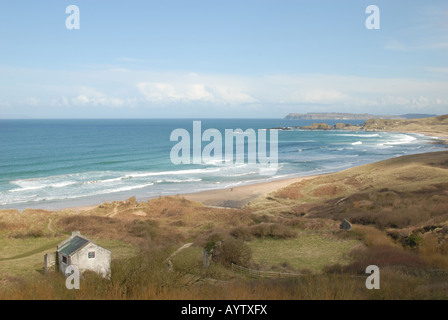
point(83, 253)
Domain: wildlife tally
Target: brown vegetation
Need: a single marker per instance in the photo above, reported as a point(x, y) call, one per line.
point(398, 209)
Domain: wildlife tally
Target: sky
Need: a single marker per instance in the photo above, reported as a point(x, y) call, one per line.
point(221, 58)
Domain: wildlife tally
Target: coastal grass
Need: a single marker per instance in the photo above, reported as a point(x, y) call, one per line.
point(190, 261)
point(145, 276)
point(309, 251)
point(433, 126)
point(394, 193)
point(24, 257)
point(407, 173)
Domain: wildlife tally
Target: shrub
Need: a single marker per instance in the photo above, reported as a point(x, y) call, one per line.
point(263, 230)
point(143, 228)
point(384, 256)
point(234, 251)
point(412, 240)
point(29, 234)
point(273, 230)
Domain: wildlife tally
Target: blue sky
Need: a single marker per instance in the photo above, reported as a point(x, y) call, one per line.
point(210, 58)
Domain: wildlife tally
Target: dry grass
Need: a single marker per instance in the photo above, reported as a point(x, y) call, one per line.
point(310, 251)
point(263, 230)
point(146, 277)
point(394, 193)
point(433, 125)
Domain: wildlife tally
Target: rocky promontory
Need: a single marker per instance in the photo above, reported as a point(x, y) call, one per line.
point(434, 126)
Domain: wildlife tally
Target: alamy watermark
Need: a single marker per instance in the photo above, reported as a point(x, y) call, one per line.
point(373, 281)
point(240, 147)
point(373, 20)
point(72, 274)
point(73, 21)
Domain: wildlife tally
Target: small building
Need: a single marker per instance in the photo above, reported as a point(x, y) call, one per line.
point(81, 252)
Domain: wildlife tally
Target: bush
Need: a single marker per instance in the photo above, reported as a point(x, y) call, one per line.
point(384, 256)
point(29, 234)
point(234, 251)
point(273, 230)
point(263, 230)
point(413, 240)
point(143, 228)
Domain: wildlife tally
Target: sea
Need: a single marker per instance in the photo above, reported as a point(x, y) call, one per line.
point(54, 164)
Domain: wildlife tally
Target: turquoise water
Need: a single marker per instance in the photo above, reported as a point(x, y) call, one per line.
point(63, 163)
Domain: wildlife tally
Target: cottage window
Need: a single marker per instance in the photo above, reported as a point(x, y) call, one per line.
point(64, 259)
point(91, 255)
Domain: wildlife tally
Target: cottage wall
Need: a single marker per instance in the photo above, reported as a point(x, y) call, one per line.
point(98, 262)
point(50, 261)
point(61, 265)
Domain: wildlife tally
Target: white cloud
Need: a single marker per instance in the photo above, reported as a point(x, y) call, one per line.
point(323, 96)
point(437, 70)
point(91, 97)
point(4, 104)
point(166, 92)
point(215, 94)
point(32, 101)
point(187, 91)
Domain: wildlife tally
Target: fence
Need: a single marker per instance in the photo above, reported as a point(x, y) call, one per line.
point(272, 274)
point(263, 274)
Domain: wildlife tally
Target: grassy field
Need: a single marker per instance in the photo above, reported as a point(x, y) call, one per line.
point(310, 251)
point(24, 257)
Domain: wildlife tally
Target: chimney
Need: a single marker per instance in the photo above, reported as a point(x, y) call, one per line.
point(76, 233)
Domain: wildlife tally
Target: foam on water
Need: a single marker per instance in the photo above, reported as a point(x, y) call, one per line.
point(138, 162)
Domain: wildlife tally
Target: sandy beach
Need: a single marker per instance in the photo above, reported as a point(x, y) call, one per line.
point(238, 197)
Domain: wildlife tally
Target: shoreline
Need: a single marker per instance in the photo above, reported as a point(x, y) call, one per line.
point(239, 196)
point(231, 198)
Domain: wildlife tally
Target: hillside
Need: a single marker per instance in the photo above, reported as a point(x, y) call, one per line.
point(402, 195)
point(399, 214)
point(433, 125)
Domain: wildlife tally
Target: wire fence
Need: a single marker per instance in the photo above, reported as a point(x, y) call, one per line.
point(273, 274)
point(263, 274)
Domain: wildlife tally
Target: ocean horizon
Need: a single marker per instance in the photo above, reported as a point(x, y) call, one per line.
point(58, 163)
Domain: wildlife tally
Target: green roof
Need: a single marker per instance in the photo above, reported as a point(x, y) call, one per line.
point(73, 245)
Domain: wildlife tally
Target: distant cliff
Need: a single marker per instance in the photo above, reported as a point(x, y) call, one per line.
point(436, 126)
point(351, 116)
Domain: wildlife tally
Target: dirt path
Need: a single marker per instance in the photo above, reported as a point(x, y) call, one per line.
point(50, 227)
point(169, 261)
point(114, 213)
